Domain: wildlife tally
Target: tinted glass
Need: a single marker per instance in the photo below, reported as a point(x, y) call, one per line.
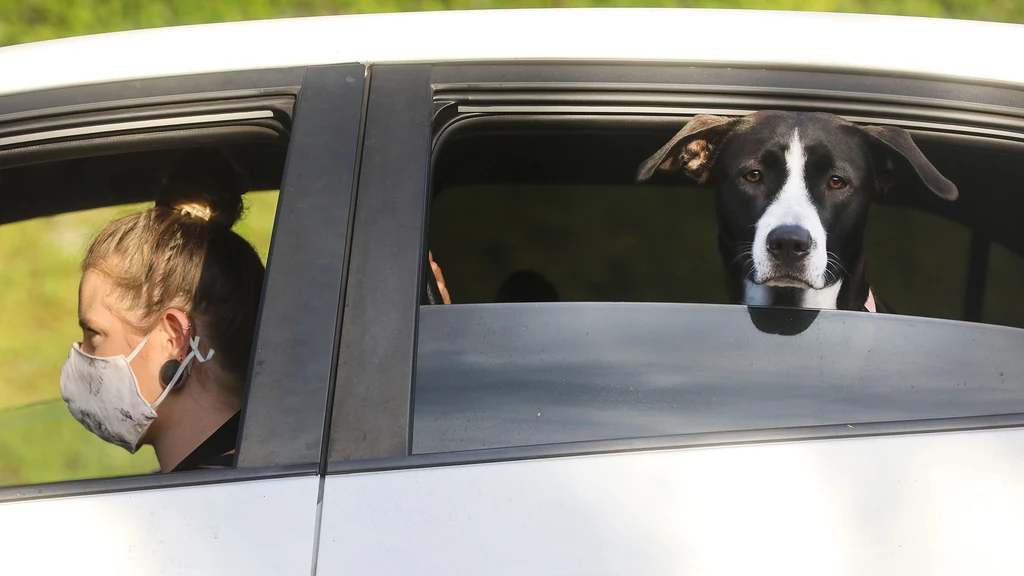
point(490, 376)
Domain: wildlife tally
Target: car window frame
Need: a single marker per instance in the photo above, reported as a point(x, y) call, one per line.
point(298, 319)
point(380, 439)
point(382, 292)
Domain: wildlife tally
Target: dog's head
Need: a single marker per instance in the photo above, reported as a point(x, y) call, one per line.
point(793, 189)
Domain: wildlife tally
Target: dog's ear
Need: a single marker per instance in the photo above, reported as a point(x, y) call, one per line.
point(693, 149)
point(899, 148)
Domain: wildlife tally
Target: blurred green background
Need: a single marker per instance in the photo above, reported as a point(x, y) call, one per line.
point(31, 20)
point(39, 259)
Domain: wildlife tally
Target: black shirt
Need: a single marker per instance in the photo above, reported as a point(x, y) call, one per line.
point(217, 451)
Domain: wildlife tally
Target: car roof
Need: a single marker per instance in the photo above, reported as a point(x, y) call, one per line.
point(930, 47)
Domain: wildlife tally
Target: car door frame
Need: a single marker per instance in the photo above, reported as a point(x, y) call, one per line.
point(371, 425)
point(293, 364)
point(374, 487)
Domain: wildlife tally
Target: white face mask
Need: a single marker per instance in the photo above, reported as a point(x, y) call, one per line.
point(103, 394)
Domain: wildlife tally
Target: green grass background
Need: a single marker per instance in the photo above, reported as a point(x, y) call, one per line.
point(30, 20)
point(39, 441)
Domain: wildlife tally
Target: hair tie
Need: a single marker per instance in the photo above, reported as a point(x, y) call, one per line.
point(197, 210)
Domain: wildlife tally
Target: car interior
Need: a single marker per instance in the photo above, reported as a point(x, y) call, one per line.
point(109, 158)
point(555, 195)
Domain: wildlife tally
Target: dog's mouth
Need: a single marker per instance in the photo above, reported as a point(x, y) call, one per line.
point(788, 281)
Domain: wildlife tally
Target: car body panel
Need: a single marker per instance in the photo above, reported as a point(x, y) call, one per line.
point(518, 490)
point(912, 46)
point(942, 503)
point(255, 527)
point(260, 517)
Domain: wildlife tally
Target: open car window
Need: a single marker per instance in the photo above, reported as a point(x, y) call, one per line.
point(589, 307)
point(40, 441)
point(63, 191)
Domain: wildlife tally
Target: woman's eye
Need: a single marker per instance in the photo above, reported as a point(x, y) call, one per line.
point(754, 176)
point(836, 183)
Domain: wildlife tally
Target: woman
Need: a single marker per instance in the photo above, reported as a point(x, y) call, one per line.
point(167, 305)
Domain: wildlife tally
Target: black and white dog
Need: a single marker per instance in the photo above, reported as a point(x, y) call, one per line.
point(792, 197)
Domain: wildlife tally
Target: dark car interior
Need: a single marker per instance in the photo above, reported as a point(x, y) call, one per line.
point(554, 196)
point(83, 183)
point(85, 161)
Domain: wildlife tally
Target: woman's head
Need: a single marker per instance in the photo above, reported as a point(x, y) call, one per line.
point(177, 271)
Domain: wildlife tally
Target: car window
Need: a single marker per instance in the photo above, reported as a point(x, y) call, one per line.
point(590, 307)
point(1003, 287)
point(40, 441)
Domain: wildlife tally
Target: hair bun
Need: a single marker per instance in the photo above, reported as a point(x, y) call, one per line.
point(201, 211)
point(203, 184)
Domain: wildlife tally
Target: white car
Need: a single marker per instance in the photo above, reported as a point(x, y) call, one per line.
point(638, 426)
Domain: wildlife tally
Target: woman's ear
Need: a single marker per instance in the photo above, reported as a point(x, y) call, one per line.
point(173, 330)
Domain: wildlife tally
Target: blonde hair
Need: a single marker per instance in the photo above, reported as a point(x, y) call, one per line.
point(182, 254)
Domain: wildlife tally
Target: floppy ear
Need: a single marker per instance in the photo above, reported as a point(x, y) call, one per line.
point(694, 149)
point(898, 146)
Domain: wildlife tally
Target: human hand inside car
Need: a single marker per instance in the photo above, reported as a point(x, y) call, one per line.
point(439, 278)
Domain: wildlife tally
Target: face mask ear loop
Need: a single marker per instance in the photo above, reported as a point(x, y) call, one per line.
point(138, 348)
point(196, 354)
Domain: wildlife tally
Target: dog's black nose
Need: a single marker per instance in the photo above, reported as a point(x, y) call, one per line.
point(789, 244)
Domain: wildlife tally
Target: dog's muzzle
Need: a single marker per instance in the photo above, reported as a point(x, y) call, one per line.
point(787, 259)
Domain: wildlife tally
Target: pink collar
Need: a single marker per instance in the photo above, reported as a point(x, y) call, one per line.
point(870, 303)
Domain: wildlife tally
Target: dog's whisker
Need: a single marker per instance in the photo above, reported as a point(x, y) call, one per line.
point(830, 276)
point(746, 253)
point(834, 258)
point(749, 267)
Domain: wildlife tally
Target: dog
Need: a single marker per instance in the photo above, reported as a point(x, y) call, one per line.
point(792, 192)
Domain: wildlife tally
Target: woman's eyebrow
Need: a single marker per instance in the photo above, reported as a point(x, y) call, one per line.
point(85, 325)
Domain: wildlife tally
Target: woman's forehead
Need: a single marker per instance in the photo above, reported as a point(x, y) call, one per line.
point(94, 298)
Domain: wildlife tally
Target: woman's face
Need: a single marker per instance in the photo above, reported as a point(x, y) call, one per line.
point(104, 334)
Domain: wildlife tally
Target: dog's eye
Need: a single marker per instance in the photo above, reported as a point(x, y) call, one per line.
point(836, 183)
point(754, 176)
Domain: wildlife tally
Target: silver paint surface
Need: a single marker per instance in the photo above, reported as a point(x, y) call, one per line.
point(935, 504)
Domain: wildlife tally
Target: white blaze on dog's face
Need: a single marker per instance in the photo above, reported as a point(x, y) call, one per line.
point(789, 239)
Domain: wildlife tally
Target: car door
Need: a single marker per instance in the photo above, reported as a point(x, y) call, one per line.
point(618, 436)
point(259, 517)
